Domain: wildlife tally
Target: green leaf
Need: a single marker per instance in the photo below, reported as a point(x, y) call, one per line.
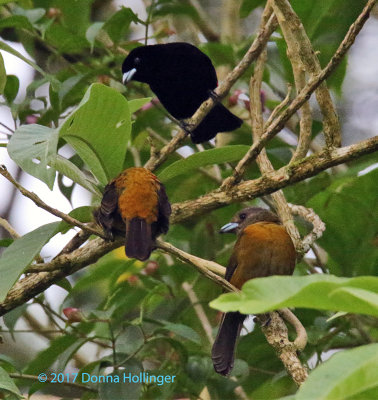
point(120, 388)
point(248, 6)
point(118, 24)
point(47, 357)
point(33, 15)
point(326, 25)
point(92, 32)
point(11, 88)
point(344, 376)
point(70, 170)
point(130, 340)
point(136, 104)
point(6, 242)
point(16, 21)
point(183, 330)
point(321, 292)
point(202, 159)
point(176, 9)
point(352, 251)
point(3, 75)
point(99, 130)
point(83, 214)
point(21, 253)
point(33, 147)
point(7, 384)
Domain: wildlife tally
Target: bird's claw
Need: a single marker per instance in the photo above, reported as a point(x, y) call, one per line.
point(214, 96)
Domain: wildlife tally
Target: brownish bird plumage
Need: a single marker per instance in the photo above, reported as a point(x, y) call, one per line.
point(135, 203)
point(263, 248)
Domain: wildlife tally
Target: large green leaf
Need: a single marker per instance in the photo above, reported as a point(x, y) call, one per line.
point(207, 157)
point(21, 253)
point(321, 292)
point(33, 147)
point(7, 384)
point(346, 375)
point(350, 208)
point(99, 130)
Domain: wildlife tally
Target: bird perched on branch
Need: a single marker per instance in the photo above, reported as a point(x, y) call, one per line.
point(182, 77)
point(263, 248)
point(135, 203)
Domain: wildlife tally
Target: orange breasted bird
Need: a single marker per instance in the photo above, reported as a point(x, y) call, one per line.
point(135, 203)
point(263, 248)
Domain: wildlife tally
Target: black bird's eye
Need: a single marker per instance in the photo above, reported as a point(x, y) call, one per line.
point(242, 216)
point(136, 61)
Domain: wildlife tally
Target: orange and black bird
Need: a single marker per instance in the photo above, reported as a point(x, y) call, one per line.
point(263, 248)
point(135, 203)
point(182, 77)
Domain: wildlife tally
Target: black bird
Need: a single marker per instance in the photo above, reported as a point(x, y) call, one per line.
point(182, 77)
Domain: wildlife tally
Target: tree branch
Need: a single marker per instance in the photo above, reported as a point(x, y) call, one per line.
point(301, 98)
point(40, 203)
point(66, 264)
point(276, 334)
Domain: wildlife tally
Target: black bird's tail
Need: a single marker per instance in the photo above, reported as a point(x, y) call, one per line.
point(139, 242)
point(219, 119)
point(223, 350)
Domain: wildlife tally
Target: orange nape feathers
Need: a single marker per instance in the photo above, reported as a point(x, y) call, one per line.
point(135, 203)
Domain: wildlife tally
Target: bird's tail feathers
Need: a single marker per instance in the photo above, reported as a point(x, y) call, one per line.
point(139, 242)
point(219, 119)
point(223, 350)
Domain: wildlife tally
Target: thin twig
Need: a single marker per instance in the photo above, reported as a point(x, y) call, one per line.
point(8, 227)
point(202, 317)
point(40, 203)
point(208, 268)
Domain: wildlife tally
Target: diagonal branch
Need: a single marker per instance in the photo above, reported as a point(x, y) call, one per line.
point(301, 98)
point(40, 203)
point(67, 264)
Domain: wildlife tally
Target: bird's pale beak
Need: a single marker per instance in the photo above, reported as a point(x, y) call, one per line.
point(127, 76)
point(229, 228)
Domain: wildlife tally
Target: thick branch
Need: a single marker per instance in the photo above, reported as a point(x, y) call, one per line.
point(66, 264)
point(276, 335)
point(274, 181)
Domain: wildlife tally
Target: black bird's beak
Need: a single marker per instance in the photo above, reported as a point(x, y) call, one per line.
point(229, 228)
point(127, 76)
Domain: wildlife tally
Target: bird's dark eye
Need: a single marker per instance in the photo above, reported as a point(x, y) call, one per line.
point(136, 61)
point(242, 216)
